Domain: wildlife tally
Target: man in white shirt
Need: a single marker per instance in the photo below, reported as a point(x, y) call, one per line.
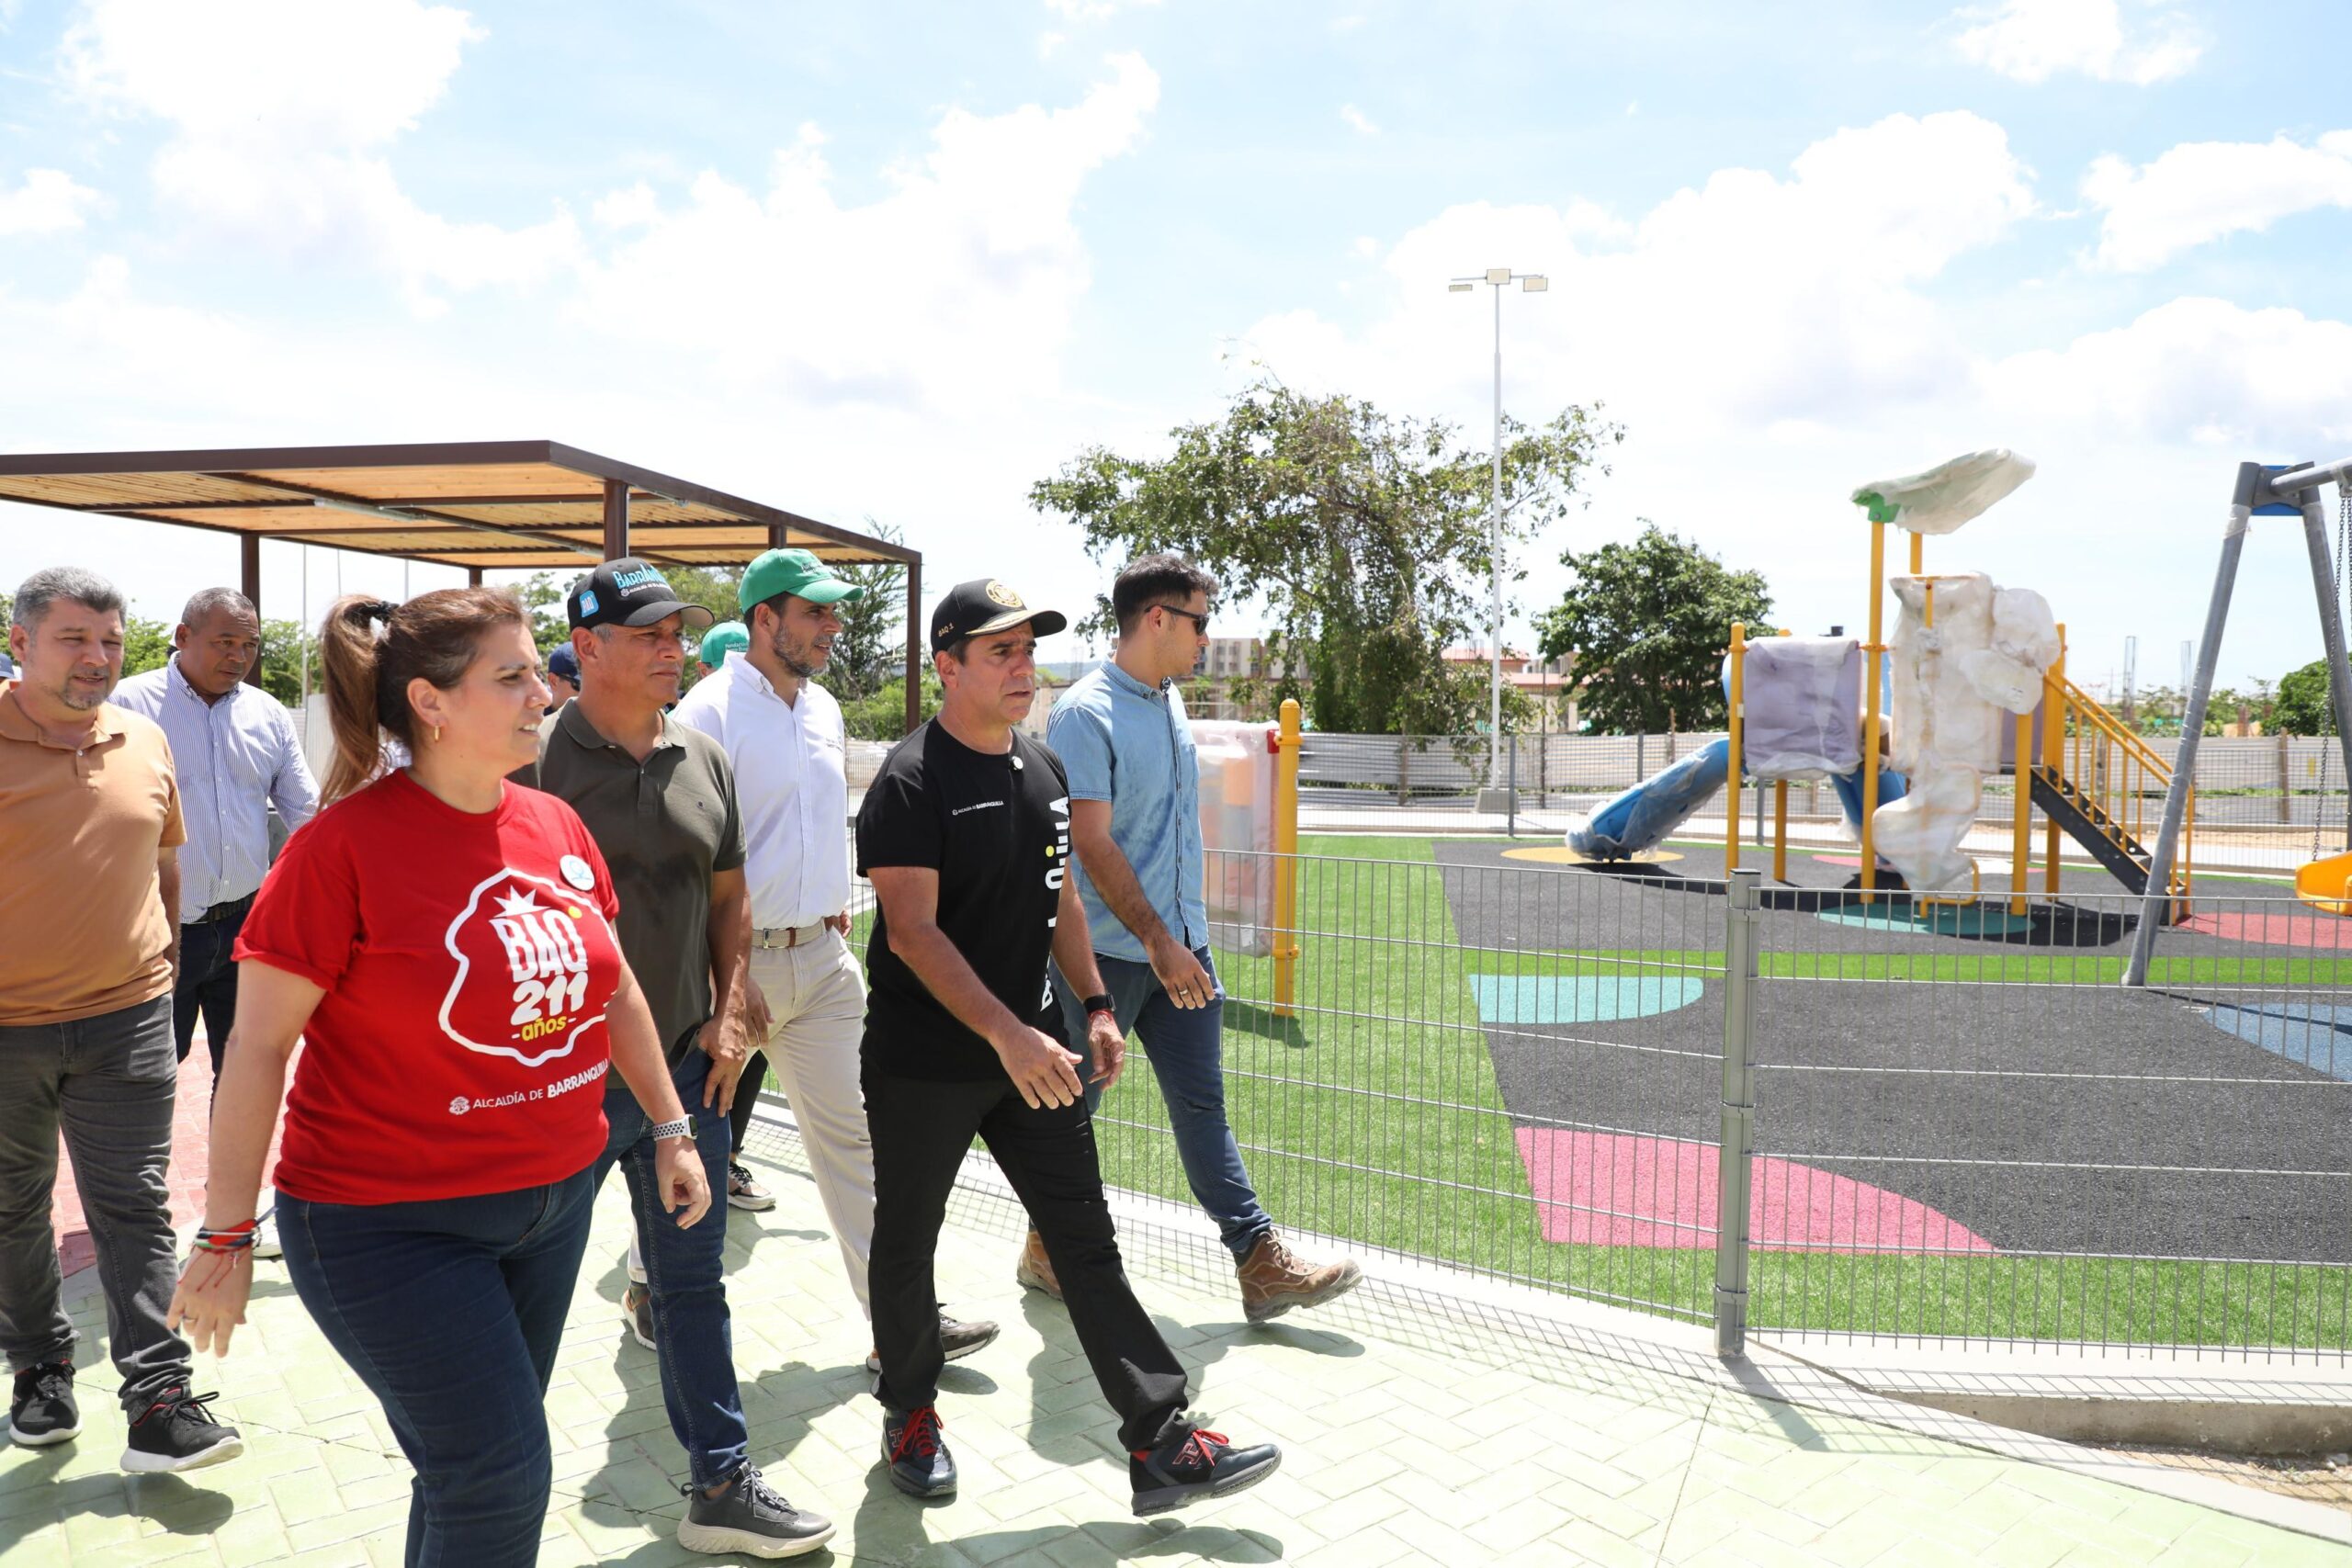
point(234, 750)
point(785, 735)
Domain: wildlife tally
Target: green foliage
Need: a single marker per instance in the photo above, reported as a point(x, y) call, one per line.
point(1364, 536)
point(871, 652)
point(2301, 707)
point(881, 714)
point(1648, 622)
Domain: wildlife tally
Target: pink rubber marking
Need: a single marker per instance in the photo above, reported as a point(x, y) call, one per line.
point(1624, 1190)
point(2278, 930)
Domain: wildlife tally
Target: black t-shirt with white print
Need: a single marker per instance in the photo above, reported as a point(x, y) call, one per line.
point(996, 827)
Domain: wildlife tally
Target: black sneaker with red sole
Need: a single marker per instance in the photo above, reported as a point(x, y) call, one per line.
point(1194, 1463)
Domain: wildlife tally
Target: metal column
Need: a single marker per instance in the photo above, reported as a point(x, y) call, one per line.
point(1738, 1141)
point(915, 641)
point(2154, 905)
point(249, 560)
point(2331, 623)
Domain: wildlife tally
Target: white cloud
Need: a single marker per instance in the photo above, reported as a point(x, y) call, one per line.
point(277, 136)
point(1771, 339)
point(961, 281)
point(1093, 10)
point(48, 201)
point(2032, 40)
point(1357, 120)
point(2200, 191)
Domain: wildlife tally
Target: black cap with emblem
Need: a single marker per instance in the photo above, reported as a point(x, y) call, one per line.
point(985, 606)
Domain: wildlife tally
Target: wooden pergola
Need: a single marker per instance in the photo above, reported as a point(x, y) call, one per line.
point(481, 505)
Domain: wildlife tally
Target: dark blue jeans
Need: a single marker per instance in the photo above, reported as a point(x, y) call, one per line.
point(684, 1270)
point(451, 1311)
point(1187, 1050)
point(208, 986)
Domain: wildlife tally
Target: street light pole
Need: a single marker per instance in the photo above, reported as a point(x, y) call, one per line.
point(1496, 796)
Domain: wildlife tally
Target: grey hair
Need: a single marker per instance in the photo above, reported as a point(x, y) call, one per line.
point(206, 600)
point(42, 589)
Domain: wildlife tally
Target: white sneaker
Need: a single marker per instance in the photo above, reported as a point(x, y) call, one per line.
point(266, 1237)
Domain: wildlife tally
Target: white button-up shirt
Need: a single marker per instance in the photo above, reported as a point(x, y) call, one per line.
point(791, 785)
point(233, 758)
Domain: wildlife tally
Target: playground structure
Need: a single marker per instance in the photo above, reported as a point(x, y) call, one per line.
point(1813, 709)
point(2266, 490)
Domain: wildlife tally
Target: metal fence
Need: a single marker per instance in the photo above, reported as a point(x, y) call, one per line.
point(1949, 1124)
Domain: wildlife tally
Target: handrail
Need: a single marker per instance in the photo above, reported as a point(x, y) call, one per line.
point(2084, 702)
point(2113, 800)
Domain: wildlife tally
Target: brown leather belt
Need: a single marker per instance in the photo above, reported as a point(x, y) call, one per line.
point(787, 937)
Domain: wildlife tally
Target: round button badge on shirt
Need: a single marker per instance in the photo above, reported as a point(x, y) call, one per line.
point(575, 871)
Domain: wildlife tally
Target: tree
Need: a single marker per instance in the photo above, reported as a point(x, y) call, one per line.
point(871, 652)
point(1363, 535)
point(881, 714)
point(2302, 704)
point(1648, 622)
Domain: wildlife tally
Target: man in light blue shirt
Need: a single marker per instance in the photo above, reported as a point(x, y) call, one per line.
point(234, 750)
point(1135, 824)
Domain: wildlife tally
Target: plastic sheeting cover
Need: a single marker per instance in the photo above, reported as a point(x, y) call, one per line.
point(1801, 698)
point(1640, 817)
point(1238, 816)
point(1948, 495)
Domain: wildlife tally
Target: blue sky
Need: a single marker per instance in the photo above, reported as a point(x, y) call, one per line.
point(899, 261)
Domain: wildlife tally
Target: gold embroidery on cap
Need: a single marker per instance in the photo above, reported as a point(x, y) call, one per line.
point(1005, 596)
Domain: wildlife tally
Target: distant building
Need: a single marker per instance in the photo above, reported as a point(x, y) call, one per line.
point(1550, 687)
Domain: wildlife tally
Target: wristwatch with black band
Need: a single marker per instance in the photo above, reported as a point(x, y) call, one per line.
point(1100, 1004)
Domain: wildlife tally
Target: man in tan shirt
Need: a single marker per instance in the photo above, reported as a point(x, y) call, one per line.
point(89, 829)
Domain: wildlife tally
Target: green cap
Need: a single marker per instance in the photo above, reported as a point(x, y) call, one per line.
point(796, 573)
point(726, 638)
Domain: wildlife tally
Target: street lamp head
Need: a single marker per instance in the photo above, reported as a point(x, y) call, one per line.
point(1460, 287)
point(1538, 284)
point(1498, 275)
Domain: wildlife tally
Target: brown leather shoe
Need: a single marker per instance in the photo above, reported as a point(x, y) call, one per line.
point(1275, 1279)
point(1036, 1270)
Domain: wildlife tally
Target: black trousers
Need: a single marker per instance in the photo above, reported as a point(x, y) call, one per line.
point(207, 984)
point(920, 1132)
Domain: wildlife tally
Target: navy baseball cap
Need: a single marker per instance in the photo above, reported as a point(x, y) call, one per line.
point(562, 661)
point(628, 592)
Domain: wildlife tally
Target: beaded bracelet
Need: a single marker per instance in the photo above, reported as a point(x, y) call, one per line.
point(230, 1238)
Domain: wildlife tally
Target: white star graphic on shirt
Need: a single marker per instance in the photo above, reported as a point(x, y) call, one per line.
point(518, 902)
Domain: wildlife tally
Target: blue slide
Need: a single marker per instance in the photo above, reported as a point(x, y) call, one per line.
point(1640, 818)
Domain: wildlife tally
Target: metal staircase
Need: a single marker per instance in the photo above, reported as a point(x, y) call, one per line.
point(2103, 786)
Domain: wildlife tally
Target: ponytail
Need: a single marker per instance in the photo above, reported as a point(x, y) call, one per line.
point(432, 638)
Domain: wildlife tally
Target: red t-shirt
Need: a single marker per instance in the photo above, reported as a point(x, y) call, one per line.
point(466, 961)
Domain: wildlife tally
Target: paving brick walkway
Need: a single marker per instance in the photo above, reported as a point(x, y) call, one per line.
point(1403, 1445)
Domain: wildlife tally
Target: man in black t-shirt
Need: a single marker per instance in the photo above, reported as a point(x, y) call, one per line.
point(965, 834)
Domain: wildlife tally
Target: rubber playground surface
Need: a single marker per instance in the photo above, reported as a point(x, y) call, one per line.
point(1955, 1082)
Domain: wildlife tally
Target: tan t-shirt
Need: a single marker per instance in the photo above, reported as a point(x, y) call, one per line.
point(80, 833)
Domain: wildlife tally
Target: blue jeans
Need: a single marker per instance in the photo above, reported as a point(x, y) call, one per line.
point(207, 984)
point(450, 1311)
point(684, 1274)
point(1186, 1046)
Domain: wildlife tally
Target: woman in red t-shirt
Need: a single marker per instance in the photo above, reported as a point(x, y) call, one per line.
point(442, 942)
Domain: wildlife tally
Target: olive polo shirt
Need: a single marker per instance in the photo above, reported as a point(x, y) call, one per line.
point(666, 826)
point(81, 831)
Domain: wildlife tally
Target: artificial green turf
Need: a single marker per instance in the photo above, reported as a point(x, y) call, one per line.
point(1373, 1115)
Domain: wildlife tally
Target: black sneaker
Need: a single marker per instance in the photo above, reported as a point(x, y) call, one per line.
point(743, 1193)
point(43, 1411)
point(1194, 1463)
point(636, 1307)
point(920, 1464)
point(178, 1433)
point(752, 1518)
point(957, 1338)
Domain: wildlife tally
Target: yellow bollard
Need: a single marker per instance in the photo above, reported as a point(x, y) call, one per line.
point(1286, 948)
point(1872, 650)
point(1731, 769)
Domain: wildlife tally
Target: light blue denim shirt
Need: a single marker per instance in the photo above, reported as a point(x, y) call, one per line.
point(1123, 741)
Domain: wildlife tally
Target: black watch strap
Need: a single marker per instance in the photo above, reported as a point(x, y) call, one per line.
point(1102, 1003)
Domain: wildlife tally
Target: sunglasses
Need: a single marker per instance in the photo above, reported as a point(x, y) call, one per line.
point(1201, 622)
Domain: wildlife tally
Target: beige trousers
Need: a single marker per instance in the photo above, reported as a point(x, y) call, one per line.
point(816, 995)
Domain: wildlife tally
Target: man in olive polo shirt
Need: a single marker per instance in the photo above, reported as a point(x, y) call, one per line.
point(89, 829)
point(660, 800)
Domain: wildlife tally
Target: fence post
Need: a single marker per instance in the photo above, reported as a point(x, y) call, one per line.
point(1510, 802)
point(2286, 784)
point(1403, 769)
point(1641, 747)
point(1740, 1115)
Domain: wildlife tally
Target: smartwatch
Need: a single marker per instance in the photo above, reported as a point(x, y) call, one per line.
point(684, 1127)
point(1100, 1004)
